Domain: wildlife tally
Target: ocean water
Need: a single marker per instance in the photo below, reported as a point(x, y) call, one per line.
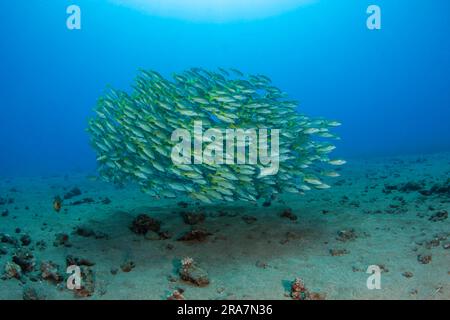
point(389, 88)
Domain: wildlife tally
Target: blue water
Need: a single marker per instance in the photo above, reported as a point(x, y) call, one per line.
point(389, 87)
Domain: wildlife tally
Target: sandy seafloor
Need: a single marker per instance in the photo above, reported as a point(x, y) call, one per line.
point(255, 260)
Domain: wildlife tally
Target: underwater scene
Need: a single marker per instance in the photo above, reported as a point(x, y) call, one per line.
point(224, 150)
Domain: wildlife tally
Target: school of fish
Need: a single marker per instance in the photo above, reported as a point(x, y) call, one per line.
point(131, 134)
